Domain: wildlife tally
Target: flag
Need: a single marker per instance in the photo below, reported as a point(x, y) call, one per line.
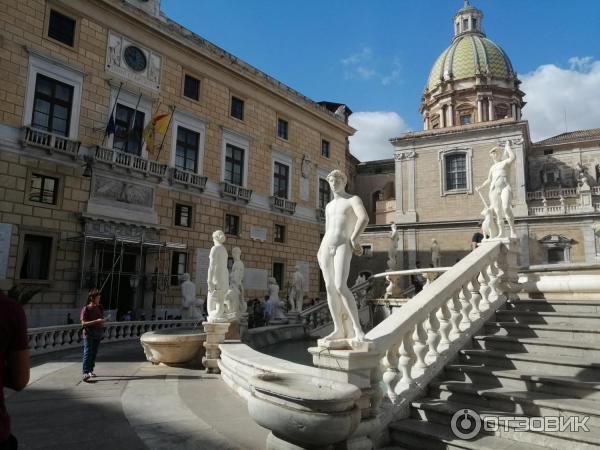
point(158, 124)
point(110, 126)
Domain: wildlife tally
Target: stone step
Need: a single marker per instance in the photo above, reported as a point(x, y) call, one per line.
point(545, 364)
point(549, 318)
point(538, 346)
point(441, 412)
point(516, 402)
point(580, 334)
point(587, 387)
point(417, 434)
point(571, 306)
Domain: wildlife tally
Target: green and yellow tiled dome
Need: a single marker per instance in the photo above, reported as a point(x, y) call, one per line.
point(470, 54)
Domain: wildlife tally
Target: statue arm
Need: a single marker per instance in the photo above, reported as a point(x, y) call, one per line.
point(487, 181)
point(361, 222)
point(511, 155)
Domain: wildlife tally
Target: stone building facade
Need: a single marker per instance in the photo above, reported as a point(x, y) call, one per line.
point(555, 182)
point(88, 197)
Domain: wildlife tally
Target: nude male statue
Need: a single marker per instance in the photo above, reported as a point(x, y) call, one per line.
point(297, 291)
point(236, 277)
point(218, 278)
point(500, 190)
point(345, 220)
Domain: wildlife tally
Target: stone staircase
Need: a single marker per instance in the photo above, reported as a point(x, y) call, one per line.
point(535, 358)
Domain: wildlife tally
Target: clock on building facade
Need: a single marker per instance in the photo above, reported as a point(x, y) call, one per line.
point(135, 58)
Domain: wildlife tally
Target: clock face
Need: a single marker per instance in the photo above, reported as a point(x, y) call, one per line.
point(135, 58)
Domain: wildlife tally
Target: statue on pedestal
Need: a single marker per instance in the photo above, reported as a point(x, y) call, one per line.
point(273, 310)
point(345, 220)
point(436, 258)
point(188, 301)
point(218, 278)
point(236, 278)
point(393, 249)
point(500, 194)
point(297, 291)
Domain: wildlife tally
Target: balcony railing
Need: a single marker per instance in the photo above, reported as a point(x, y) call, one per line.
point(557, 210)
point(188, 179)
point(321, 214)
point(130, 162)
point(235, 192)
point(553, 193)
point(50, 142)
point(282, 204)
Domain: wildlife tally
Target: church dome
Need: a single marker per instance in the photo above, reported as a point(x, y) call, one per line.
point(469, 55)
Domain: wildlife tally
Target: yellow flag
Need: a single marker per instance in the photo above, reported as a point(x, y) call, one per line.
point(161, 122)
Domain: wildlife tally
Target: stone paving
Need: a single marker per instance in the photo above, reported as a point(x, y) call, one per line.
point(130, 405)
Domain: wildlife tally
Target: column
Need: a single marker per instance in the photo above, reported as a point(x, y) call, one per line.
point(450, 120)
point(519, 191)
point(479, 111)
point(398, 185)
point(491, 115)
point(405, 213)
point(514, 111)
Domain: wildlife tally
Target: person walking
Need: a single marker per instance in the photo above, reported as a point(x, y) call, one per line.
point(92, 321)
point(14, 359)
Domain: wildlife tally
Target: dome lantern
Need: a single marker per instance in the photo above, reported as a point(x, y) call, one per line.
point(467, 20)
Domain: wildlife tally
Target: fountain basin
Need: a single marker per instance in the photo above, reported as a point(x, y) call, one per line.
point(173, 345)
point(303, 411)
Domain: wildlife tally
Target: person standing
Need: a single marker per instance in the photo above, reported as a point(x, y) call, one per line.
point(92, 321)
point(14, 358)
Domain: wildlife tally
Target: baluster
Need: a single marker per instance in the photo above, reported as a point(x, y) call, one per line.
point(391, 375)
point(465, 307)
point(407, 357)
point(484, 290)
point(420, 345)
point(455, 316)
point(493, 283)
point(433, 337)
point(443, 315)
point(473, 288)
point(502, 282)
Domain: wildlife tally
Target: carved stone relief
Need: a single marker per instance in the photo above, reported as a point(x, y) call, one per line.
point(122, 191)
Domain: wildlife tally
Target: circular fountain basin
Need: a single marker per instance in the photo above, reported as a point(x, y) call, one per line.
point(302, 410)
point(173, 345)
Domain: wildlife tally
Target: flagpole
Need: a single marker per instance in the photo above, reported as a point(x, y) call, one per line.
point(112, 111)
point(132, 123)
point(166, 131)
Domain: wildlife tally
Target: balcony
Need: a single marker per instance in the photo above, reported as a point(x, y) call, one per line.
point(554, 193)
point(321, 214)
point(50, 142)
point(557, 210)
point(235, 192)
point(282, 204)
point(188, 179)
point(130, 162)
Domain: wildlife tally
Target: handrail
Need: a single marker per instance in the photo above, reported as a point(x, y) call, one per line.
point(61, 337)
point(418, 339)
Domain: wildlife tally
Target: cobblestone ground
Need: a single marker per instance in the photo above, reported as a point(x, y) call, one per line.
point(130, 405)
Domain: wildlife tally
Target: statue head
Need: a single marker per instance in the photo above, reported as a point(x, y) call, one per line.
point(236, 252)
point(184, 277)
point(393, 226)
point(496, 154)
point(337, 180)
point(218, 237)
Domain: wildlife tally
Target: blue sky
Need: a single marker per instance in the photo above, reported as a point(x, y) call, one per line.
point(376, 55)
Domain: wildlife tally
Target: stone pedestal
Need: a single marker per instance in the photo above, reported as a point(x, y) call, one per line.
point(293, 317)
point(234, 331)
point(215, 335)
point(360, 368)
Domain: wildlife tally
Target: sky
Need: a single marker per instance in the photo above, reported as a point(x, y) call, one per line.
point(375, 56)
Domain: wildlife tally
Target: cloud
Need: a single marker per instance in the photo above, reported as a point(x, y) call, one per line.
point(364, 65)
point(373, 132)
point(553, 91)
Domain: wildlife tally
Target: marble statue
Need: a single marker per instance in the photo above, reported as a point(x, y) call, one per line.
point(345, 220)
point(297, 291)
point(393, 250)
point(232, 303)
point(236, 278)
point(273, 310)
point(436, 258)
point(500, 194)
point(188, 302)
point(218, 278)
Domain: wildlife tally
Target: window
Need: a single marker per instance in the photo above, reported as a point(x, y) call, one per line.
point(128, 132)
point(191, 87)
point(35, 263)
point(279, 233)
point(186, 153)
point(465, 119)
point(52, 105)
point(232, 225)
point(281, 177)
point(278, 272)
point(43, 189)
point(178, 266)
point(556, 255)
point(557, 248)
point(474, 22)
point(183, 215)
point(61, 28)
point(465, 24)
point(282, 129)
point(548, 152)
point(324, 193)
point(456, 172)
point(325, 148)
point(367, 250)
point(234, 165)
point(237, 108)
